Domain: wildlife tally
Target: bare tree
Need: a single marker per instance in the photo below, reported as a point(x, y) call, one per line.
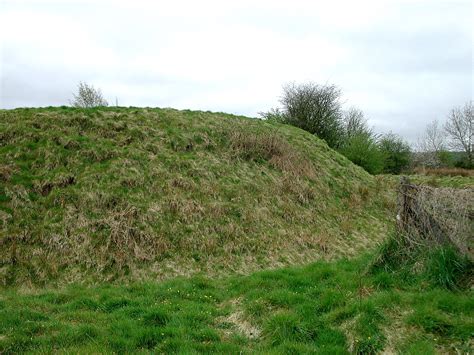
point(87, 96)
point(460, 129)
point(314, 108)
point(434, 137)
point(431, 145)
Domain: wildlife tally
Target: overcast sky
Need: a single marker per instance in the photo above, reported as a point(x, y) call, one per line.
point(404, 63)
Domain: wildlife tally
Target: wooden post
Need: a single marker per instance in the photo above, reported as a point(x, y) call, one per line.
point(403, 203)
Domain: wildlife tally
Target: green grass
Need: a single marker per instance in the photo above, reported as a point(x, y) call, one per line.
point(326, 307)
point(126, 194)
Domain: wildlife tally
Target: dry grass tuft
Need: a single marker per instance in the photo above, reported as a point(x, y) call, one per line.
point(397, 331)
point(444, 171)
point(239, 322)
point(185, 210)
point(271, 147)
point(6, 172)
point(298, 188)
point(364, 192)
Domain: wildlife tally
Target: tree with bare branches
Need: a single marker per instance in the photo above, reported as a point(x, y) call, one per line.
point(87, 97)
point(460, 129)
point(431, 145)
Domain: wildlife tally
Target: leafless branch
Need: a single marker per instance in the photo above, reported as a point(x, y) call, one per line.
point(87, 97)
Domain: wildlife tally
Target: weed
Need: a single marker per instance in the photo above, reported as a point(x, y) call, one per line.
point(445, 267)
point(442, 266)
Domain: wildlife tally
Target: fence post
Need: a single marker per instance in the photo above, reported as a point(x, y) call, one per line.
point(403, 203)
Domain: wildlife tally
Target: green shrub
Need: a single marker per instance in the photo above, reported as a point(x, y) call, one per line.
point(396, 153)
point(445, 158)
point(463, 163)
point(362, 150)
point(314, 108)
point(274, 115)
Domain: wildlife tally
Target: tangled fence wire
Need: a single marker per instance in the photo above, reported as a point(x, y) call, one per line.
point(435, 216)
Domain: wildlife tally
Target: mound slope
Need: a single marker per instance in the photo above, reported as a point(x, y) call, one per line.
point(127, 194)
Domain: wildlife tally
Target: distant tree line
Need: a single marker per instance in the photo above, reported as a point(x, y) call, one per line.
point(318, 110)
point(450, 144)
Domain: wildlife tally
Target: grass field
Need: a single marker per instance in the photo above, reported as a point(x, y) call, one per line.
point(326, 307)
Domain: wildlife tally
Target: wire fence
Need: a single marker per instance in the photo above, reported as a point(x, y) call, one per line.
point(436, 216)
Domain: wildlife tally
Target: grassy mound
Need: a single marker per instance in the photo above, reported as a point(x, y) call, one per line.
point(140, 194)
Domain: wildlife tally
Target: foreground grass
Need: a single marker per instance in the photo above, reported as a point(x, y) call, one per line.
point(326, 307)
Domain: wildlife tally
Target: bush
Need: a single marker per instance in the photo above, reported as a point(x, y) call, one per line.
point(88, 97)
point(274, 115)
point(355, 123)
point(314, 108)
point(445, 158)
point(362, 150)
point(396, 153)
point(359, 143)
point(463, 163)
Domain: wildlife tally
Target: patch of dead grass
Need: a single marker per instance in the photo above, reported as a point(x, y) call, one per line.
point(396, 332)
point(271, 147)
point(444, 171)
point(238, 321)
point(6, 172)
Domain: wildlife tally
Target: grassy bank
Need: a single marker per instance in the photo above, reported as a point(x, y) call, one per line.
point(124, 194)
point(344, 306)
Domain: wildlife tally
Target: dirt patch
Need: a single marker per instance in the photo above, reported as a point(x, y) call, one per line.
point(238, 321)
point(396, 333)
point(347, 328)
